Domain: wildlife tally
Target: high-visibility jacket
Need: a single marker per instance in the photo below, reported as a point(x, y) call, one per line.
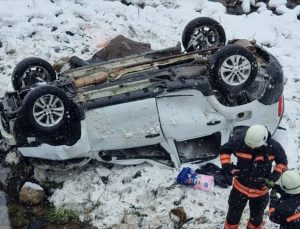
point(255, 165)
point(286, 212)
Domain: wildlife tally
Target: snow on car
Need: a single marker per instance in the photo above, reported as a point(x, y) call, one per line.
point(168, 106)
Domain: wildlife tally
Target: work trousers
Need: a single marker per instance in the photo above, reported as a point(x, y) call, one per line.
point(238, 201)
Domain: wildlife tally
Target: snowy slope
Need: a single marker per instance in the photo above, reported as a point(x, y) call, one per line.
point(38, 28)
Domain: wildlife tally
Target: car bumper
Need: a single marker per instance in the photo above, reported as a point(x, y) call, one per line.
point(61, 152)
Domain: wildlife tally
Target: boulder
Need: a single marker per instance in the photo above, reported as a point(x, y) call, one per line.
point(32, 194)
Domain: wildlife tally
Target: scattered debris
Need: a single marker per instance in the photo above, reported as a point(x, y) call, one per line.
point(221, 178)
point(201, 220)
point(104, 179)
point(32, 34)
point(178, 202)
point(60, 64)
point(54, 28)
point(70, 33)
point(10, 51)
point(138, 174)
point(178, 216)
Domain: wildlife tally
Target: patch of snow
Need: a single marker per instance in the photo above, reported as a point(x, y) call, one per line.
point(246, 5)
point(33, 186)
point(276, 3)
point(12, 158)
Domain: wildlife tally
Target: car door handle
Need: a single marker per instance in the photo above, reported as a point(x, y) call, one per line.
point(152, 135)
point(211, 123)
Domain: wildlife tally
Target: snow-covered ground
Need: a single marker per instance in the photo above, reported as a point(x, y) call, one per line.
point(42, 28)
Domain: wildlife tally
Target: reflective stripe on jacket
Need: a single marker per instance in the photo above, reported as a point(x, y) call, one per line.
point(255, 165)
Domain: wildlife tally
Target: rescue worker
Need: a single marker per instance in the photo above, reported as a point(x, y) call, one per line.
point(286, 210)
point(255, 152)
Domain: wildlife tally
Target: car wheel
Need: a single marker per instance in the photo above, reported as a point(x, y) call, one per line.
point(47, 108)
point(30, 71)
point(233, 68)
point(202, 33)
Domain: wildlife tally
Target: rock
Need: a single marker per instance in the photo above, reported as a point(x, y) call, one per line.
point(31, 194)
point(138, 174)
point(70, 33)
point(85, 50)
point(11, 52)
point(18, 216)
point(32, 34)
point(19, 222)
point(38, 211)
point(104, 179)
point(54, 28)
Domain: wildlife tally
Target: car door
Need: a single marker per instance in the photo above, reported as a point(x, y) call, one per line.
point(126, 125)
point(187, 115)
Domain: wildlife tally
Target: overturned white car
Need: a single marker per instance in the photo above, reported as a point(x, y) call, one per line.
point(168, 106)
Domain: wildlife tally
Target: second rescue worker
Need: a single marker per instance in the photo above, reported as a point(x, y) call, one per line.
point(255, 152)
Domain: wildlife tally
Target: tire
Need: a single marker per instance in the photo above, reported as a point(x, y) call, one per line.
point(233, 68)
point(47, 108)
point(30, 71)
point(202, 33)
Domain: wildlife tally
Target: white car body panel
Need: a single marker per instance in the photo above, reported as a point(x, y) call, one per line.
point(182, 116)
point(124, 125)
point(257, 113)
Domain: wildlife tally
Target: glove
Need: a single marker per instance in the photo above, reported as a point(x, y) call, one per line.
point(269, 183)
point(228, 168)
point(235, 172)
point(273, 198)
